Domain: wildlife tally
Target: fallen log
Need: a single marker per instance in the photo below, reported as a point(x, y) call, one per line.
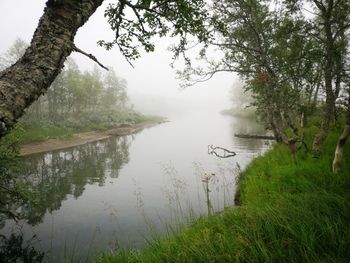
point(254, 136)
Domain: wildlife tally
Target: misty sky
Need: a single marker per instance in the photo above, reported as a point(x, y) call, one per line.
point(152, 75)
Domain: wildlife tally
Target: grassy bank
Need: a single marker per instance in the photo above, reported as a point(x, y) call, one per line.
point(38, 133)
point(291, 211)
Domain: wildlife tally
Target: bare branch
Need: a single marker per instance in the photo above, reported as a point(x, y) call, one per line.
point(341, 30)
point(90, 56)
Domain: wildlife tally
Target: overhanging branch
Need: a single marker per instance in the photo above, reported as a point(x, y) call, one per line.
point(90, 56)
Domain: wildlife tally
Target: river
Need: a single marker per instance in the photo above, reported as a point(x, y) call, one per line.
point(117, 193)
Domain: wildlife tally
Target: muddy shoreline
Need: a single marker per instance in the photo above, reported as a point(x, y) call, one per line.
point(83, 138)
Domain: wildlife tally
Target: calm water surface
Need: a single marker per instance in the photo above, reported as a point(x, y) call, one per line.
point(116, 193)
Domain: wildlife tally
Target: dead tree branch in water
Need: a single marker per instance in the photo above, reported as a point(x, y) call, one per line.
point(226, 153)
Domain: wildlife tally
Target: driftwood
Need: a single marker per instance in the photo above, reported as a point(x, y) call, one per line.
point(224, 152)
point(254, 136)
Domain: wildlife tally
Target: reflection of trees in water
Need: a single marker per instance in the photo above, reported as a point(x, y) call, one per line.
point(55, 175)
point(15, 249)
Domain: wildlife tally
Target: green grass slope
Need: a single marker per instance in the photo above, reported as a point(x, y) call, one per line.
point(291, 211)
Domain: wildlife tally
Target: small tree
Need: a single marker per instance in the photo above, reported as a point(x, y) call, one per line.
point(271, 52)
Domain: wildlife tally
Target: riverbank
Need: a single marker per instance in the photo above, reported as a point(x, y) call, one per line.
point(290, 211)
point(76, 139)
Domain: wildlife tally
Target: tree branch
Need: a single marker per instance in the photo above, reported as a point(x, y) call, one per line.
point(90, 56)
point(226, 153)
point(342, 29)
point(10, 214)
point(30, 77)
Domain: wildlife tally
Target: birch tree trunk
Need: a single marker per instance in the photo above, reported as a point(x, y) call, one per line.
point(340, 148)
point(338, 155)
point(22, 83)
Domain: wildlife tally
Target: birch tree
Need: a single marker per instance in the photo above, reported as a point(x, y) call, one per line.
point(135, 23)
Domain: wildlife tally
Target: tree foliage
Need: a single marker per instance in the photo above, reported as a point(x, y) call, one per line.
point(80, 100)
point(14, 53)
point(150, 18)
point(135, 23)
point(292, 62)
point(77, 99)
point(271, 53)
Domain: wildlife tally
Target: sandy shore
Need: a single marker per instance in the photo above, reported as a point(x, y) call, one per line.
point(83, 138)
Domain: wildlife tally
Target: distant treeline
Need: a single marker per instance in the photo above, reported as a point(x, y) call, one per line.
point(77, 100)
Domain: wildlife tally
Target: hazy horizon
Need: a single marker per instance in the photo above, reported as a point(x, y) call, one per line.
point(151, 77)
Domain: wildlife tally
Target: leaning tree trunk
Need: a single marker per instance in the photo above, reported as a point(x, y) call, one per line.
point(22, 83)
point(342, 141)
point(323, 132)
point(340, 148)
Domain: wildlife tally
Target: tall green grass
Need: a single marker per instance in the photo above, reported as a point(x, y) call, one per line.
point(290, 211)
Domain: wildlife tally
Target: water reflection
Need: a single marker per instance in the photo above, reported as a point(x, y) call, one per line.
point(15, 249)
point(57, 174)
point(89, 200)
point(53, 177)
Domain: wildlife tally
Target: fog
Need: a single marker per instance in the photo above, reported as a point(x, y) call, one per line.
point(152, 84)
